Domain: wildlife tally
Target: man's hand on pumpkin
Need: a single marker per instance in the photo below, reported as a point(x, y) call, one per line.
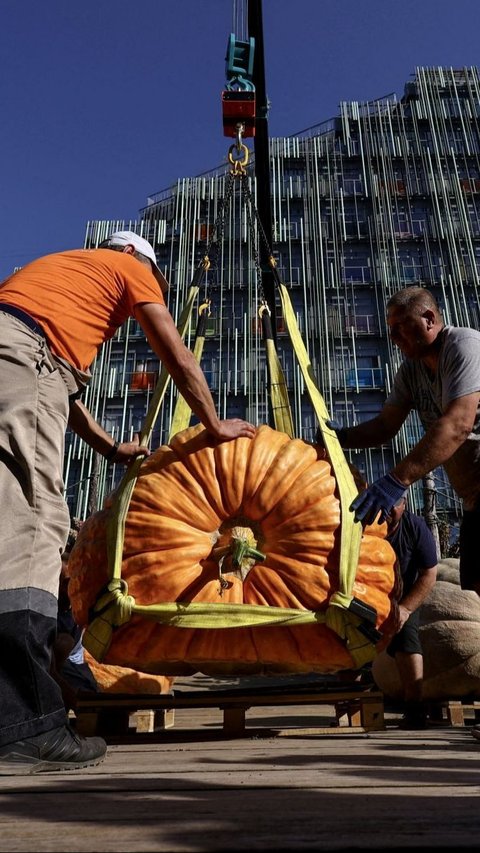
point(380, 497)
point(232, 428)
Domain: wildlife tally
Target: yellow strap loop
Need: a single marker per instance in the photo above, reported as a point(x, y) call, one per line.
point(113, 608)
point(264, 309)
point(117, 596)
point(345, 625)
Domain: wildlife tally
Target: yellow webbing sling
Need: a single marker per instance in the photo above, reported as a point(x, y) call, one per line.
point(339, 615)
point(97, 632)
point(342, 604)
point(182, 414)
point(351, 532)
point(279, 398)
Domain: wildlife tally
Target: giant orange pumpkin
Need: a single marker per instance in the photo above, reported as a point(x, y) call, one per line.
point(194, 506)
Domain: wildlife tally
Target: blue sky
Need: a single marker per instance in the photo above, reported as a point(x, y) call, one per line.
point(105, 102)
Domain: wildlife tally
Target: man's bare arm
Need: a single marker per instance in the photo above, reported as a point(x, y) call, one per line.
point(84, 424)
point(416, 596)
point(164, 339)
point(440, 441)
point(376, 431)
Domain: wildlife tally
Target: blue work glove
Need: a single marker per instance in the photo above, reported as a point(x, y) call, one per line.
point(337, 427)
point(380, 497)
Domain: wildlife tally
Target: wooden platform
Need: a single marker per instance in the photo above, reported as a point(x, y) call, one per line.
point(455, 712)
point(112, 715)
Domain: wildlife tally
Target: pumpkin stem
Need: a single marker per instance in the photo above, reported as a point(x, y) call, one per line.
point(236, 552)
point(242, 550)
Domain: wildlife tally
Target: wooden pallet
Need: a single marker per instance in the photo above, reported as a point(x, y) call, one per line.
point(111, 714)
point(455, 712)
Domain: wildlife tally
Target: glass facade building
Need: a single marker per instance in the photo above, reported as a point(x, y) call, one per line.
point(385, 195)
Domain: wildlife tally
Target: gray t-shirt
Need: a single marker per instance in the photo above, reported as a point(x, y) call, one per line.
point(458, 374)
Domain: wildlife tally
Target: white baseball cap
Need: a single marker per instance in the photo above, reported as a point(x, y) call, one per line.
point(129, 238)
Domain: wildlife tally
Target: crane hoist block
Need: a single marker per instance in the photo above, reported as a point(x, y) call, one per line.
point(238, 108)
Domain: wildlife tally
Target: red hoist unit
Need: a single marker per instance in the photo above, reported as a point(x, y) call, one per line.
point(238, 99)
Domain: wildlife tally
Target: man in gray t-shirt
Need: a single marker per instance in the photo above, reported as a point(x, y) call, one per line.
point(440, 379)
point(431, 392)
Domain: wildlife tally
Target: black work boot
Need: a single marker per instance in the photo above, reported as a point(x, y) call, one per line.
point(58, 749)
point(414, 717)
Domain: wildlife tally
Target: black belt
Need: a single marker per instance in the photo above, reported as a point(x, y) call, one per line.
point(23, 316)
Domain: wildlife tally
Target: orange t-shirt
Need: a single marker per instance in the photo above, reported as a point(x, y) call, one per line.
point(81, 297)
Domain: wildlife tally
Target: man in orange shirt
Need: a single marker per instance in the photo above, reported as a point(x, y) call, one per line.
point(55, 313)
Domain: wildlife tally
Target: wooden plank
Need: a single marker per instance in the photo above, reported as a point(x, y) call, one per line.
point(234, 721)
point(110, 713)
point(454, 711)
point(209, 698)
point(372, 715)
point(455, 714)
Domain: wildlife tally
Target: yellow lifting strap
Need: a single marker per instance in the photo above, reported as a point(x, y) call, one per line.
point(183, 413)
point(282, 414)
point(115, 607)
point(351, 532)
point(116, 524)
point(118, 514)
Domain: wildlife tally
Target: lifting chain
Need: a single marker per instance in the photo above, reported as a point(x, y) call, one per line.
point(253, 219)
point(238, 157)
point(218, 230)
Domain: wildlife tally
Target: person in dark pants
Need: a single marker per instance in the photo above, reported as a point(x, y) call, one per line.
point(55, 313)
point(414, 545)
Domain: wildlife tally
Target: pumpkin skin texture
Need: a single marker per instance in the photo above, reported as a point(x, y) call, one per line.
point(120, 679)
point(192, 500)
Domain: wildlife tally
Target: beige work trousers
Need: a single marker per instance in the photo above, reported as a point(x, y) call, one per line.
point(34, 518)
point(34, 525)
